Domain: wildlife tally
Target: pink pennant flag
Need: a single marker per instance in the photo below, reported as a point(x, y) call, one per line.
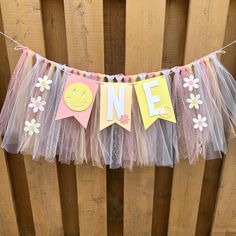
point(77, 99)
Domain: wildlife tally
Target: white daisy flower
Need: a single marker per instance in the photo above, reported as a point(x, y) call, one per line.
point(194, 101)
point(191, 83)
point(37, 104)
point(200, 122)
point(31, 127)
point(43, 83)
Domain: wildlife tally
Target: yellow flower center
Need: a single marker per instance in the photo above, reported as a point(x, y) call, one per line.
point(194, 101)
point(43, 83)
point(31, 127)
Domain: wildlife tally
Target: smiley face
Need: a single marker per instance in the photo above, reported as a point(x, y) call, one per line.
point(78, 96)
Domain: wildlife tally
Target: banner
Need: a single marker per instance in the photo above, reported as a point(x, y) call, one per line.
point(27, 119)
point(154, 100)
point(77, 99)
point(115, 105)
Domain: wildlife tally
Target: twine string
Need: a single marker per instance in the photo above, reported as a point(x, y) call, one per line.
point(172, 70)
point(12, 40)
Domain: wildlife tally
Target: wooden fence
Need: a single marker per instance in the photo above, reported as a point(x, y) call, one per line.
point(117, 36)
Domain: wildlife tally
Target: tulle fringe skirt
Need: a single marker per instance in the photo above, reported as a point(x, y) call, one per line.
point(202, 93)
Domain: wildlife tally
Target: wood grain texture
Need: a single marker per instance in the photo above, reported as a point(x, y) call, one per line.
point(186, 188)
point(54, 30)
point(115, 201)
point(173, 53)
point(175, 32)
point(161, 200)
point(84, 32)
point(22, 20)
point(21, 194)
point(144, 40)
point(114, 41)
point(114, 36)
point(225, 213)
point(8, 223)
point(91, 186)
point(85, 45)
point(5, 74)
point(144, 45)
point(68, 195)
point(205, 33)
point(229, 57)
point(206, 27)
point(44, 196)
point(56, 50)
point(138, 201)
point(210, 185)
point(16, 167)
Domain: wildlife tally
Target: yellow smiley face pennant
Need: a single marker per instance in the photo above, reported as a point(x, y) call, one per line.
point(154, 100)
point(78, 96)
point(115, 105)
point(77, 99)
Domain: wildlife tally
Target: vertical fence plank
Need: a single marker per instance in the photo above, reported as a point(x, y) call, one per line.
point(224, 222)
point(56, 50)
point(144, 44)
point(173, 53)
point(84, 31)
point(225, 213)
point(206, 27)
point(161, 201)
point(91, 182)
point(5, 73)
point(205, 32)
point(114, 36)
point(210, 185)
point(186, 188)
point(22, 21)
point(144, 41)
point(44, 196)
point(114, 52)
point(175, 32)
point(8, 223)
point(20, 190)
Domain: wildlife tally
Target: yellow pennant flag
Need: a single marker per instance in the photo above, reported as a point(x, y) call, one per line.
point(154, 100)
point(115, 105)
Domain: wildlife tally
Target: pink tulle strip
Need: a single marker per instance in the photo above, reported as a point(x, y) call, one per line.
point(203, 95)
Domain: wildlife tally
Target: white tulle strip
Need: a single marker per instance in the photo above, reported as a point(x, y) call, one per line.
point(202, 129)
point(22, 68)
point(15, 139)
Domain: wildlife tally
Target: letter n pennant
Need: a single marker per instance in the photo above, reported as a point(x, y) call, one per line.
point(154, 100)
point(115, 105)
